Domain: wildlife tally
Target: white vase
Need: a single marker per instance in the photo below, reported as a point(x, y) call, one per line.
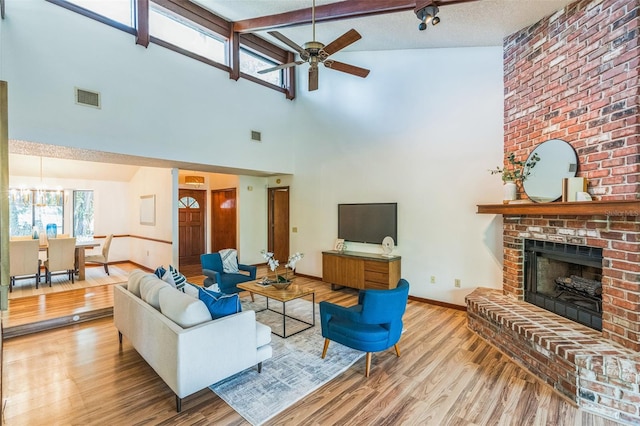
point(510, 191)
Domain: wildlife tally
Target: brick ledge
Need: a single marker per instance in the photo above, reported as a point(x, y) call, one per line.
point(600, 375)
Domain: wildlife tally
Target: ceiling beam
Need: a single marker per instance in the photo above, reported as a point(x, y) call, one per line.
point(328, 12)
point(348, 9)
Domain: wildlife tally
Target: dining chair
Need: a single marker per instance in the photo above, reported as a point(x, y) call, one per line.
point(60, 258)
point(24, 262)
point(373, 325)
point(103, 258)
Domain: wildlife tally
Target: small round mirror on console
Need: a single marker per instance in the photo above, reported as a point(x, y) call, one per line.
point(558, 160)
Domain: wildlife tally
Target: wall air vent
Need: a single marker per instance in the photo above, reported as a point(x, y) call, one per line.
point(256, 136)
point(87, 98)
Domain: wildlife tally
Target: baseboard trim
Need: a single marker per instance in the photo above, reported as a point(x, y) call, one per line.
point(35, 327)
point(438, 303)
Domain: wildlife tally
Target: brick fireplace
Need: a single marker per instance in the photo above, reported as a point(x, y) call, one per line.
point(575, 76)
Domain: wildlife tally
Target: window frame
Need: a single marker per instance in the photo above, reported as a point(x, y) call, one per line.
point(96, 16)
point(209, 21)
point(33, 206)
point(73, 211)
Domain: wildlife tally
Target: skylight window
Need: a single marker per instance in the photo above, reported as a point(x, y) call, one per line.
point(117, 10)
point(187, 35)
point(251, 63)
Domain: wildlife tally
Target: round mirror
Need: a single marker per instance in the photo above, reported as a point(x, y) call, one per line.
point(558, 160)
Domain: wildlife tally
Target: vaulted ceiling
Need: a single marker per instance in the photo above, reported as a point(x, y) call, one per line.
point(464, 23)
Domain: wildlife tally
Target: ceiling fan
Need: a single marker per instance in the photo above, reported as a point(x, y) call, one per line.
point(315, 53)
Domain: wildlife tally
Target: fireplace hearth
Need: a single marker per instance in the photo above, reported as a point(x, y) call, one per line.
point(564, 279)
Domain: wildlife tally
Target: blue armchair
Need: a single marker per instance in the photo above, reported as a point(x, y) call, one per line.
point(373, 325)
point(212, 269)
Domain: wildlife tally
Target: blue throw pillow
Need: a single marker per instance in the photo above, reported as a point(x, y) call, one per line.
point(219, 304)
point(159, 272)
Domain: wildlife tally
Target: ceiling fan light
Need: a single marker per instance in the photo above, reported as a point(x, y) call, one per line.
point(435, 20)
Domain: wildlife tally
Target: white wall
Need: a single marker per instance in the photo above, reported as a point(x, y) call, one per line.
point(151, 244)
point(422, 130)
point(155, 102)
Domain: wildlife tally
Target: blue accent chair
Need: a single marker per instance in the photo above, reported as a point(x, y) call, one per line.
point(373, 325)
point(212, 269)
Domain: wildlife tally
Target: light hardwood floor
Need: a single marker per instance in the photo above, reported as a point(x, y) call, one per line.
point(446, 375)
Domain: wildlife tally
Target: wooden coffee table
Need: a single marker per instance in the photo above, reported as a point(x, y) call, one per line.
point(291, 293)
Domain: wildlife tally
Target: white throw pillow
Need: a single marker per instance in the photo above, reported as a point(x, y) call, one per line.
point(168, 278)
point(150, 290)
point(183, 309)
point(229, 261)
point(191, 290)
point(135, 277)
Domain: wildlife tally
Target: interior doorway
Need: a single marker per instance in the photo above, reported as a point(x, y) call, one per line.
point(191, 226)
point(224, 220)
point(278, 222)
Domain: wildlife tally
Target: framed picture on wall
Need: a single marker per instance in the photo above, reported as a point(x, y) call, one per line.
point(148, 210)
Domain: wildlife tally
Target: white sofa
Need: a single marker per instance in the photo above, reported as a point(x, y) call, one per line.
point(173, 331)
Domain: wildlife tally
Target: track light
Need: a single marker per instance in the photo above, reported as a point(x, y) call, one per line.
point(427, 14)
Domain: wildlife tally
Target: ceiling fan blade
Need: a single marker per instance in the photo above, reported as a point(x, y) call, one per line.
point(288, 42)
point(313, 78)
point(341, 42)
point(349, 69)
point(279, 67)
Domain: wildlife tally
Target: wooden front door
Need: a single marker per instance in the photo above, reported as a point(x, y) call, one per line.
point(191, 225)
point(279, 223)
point(223, 219)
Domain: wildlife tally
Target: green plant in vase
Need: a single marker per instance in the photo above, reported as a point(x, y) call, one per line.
point(516, 170)
point(514, 173)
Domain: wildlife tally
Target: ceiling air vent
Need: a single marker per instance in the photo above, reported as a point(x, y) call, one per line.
point(256, 136)
point(87, 98)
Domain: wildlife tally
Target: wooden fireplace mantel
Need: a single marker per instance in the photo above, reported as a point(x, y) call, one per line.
point(581, 208)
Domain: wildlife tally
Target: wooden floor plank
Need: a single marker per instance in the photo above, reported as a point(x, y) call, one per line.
point(79, 374)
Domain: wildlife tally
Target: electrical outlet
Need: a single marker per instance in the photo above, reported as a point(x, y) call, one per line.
point(433, 279)
point(456, 283)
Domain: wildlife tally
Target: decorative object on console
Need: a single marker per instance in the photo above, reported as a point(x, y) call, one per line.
point(557, 160)
point(387, 246)
point(339, 245)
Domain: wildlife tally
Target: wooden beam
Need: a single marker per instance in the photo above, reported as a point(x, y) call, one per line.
point(142, 22)
point(4, 197)
point(329, 12)
point(234, 56)
point(348, 9)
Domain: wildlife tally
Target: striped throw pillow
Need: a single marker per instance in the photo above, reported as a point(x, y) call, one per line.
point(179, 279)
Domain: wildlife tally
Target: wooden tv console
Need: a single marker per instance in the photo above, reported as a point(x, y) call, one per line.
point(360, 270)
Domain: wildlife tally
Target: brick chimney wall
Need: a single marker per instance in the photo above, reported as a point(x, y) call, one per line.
point(575, 76)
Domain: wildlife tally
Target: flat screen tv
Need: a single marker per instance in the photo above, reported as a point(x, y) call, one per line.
point(368, 223)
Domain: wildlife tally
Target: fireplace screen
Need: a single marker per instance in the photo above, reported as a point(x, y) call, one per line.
point(565, 279)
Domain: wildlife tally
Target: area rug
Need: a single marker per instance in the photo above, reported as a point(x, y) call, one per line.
point(295, 370)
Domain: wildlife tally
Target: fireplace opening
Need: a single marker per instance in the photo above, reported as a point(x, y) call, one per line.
point(565, 279)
